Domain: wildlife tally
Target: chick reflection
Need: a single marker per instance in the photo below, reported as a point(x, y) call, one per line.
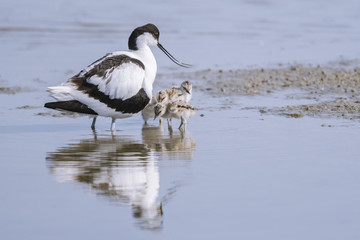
point(172, 147)
point(123, 169)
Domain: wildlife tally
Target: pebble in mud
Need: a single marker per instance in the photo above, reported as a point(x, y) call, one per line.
point(327, 125)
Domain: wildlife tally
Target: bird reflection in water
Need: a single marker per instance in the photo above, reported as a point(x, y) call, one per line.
point(123, 169)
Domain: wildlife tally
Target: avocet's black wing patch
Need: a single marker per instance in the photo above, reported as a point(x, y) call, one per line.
point(72, 106)
point(134, 104)
point(111, 63)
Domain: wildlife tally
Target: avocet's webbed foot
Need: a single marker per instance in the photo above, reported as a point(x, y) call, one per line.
point(182, 126)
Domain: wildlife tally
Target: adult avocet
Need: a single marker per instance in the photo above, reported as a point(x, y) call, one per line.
point(118, 85)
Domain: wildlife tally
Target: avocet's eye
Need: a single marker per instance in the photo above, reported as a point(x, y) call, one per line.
point(156, 35)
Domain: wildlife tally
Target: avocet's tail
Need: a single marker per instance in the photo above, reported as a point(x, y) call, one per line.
point(61, 93)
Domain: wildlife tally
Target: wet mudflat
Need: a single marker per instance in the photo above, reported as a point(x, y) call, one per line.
point(235, 170)
point(272, 152)
point(333, 89)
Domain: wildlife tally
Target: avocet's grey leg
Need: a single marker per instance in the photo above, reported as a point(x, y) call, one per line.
point(112, 128)
point(169, 125)
point(93, 123)
point(182, 124)
point(169, 122)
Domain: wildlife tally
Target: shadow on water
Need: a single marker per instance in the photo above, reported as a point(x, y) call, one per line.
point(123, 169)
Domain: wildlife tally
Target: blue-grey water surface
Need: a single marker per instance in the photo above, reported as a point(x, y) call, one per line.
point(234, 174)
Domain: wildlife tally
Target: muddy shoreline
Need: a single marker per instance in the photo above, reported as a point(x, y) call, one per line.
point(338, 81)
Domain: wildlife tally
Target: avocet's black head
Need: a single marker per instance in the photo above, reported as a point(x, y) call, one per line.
point(149, 35)
point(149, 32)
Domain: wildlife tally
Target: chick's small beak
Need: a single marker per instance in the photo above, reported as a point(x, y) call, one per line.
point(156, 114)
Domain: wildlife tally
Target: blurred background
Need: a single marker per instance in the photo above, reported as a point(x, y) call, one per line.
point(67, 34)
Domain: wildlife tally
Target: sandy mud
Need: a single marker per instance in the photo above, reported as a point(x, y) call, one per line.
point(347, 108)
point(334, 87)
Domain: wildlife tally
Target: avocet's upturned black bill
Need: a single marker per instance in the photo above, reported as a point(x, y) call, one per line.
point(118, 85)
point(173, 58)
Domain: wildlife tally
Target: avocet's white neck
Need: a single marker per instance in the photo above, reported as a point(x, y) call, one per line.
point(147, 58)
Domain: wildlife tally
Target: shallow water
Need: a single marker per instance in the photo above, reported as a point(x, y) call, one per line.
point(235, 172)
